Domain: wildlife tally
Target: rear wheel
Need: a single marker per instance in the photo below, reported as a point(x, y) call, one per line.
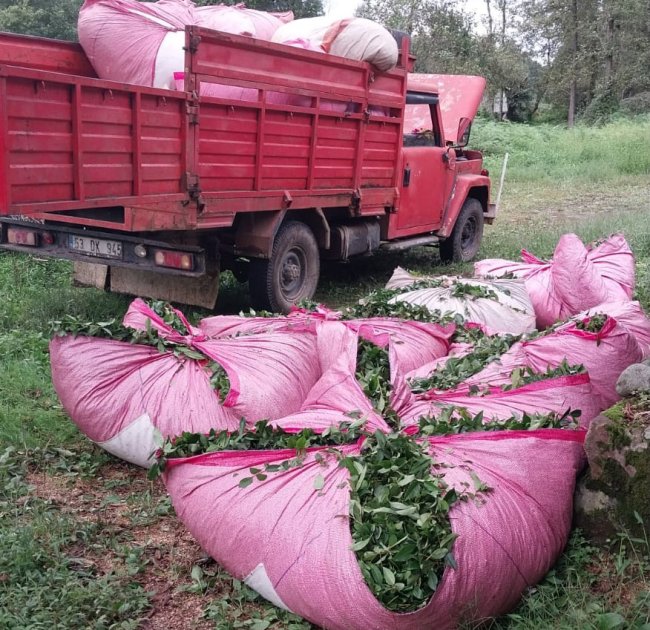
point(465, 240)
point(291, 274)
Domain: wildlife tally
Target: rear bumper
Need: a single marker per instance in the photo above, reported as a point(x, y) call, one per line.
point(56, 241)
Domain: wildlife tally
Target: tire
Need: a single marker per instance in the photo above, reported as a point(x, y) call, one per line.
point(290, 275)
point(465, 239)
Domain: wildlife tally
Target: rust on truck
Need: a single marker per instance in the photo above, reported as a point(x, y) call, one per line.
point(180, 184)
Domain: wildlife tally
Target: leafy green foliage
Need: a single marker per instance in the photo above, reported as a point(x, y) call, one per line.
point(526, 375)
point(373, 374)
point(459, 289)
point(378, 304)
point(114, 329)
point(382, 302)
point(473, 291)
point(593, 324)
point(263, 436)
point(455, 420)
point(219, 380)
point(167, 313)
point(458, 369)
point(109, 329)
point(399, 512)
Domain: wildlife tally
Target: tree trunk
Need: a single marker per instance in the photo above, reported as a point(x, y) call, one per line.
point(609, 54)
point(572, 104)
point(574, 65)
point(488, 6)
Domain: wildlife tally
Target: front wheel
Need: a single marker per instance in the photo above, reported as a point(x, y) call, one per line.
point(465, 239)
point(291, 274)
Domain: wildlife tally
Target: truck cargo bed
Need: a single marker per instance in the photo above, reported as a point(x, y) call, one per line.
point(81, 150)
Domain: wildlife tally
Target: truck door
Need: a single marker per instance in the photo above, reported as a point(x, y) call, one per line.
point(427, 172)
point(424, 188)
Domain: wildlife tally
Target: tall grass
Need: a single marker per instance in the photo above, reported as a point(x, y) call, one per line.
point(550, 153)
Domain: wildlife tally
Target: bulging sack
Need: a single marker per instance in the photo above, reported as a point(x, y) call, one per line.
point(143, 42)
point(500, 306)
point(353, 38)
point(628, 314)
point(124, 395)
point(559, 395)
point(287, 532)
point(575, 279)
point(598, 342)
point(123, 39)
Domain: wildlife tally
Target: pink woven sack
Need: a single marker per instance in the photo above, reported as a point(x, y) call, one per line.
point(577, 277)
point(604, 355)
point(123, 395)
point(292, 542)
point(629, 315)
point(551, 396)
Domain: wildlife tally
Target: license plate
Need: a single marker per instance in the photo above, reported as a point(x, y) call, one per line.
point(95, 246)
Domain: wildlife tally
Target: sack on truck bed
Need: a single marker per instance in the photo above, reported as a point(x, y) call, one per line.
point(575, 279)
point(263, 24)
point(143, 42)
point(353, 38)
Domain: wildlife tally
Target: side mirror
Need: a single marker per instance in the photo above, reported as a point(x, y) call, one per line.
point(464, 130)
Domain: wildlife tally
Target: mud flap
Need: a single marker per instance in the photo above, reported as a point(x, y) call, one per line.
point(90, 275)
point(201, 291)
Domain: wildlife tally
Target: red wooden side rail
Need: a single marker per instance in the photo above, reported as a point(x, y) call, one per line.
point(318, 131)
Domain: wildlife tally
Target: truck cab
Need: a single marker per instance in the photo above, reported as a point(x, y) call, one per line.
point(445, 189)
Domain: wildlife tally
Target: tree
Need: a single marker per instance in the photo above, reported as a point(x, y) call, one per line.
point(441, 34)
point(300, 8)
point(41, 17)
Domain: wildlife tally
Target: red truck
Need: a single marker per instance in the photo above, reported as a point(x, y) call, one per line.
point(154, 192)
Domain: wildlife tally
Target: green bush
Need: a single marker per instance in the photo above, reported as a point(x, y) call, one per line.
point(637, 104)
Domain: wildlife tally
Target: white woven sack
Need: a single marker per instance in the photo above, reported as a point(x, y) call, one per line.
point(352, 38)
point(510, 311)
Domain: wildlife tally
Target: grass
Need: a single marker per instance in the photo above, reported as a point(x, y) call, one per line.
point(553, 154)
point(87, 542)
point(50, 575)
point(589, 589)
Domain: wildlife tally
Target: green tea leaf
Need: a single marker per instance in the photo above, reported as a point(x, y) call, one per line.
point(389, 576)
